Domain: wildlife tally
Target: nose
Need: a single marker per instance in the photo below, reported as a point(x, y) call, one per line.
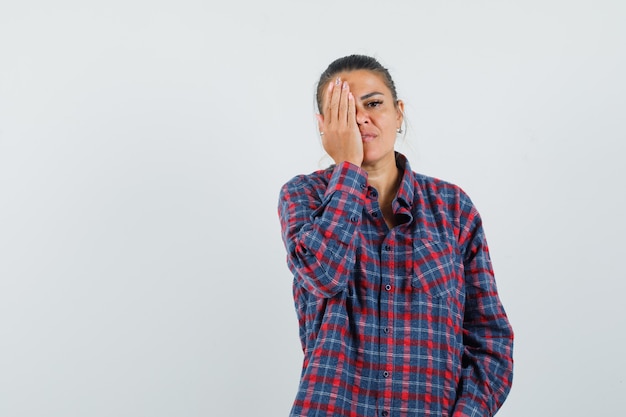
point(361, 116)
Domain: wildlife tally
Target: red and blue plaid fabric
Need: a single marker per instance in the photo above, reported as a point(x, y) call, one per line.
point(393, 322)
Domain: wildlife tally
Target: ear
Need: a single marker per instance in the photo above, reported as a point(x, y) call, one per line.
point(400, 111)
point(320, 122)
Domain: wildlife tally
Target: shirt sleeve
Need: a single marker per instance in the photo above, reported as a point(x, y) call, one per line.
point(487, 363)
point(318, 229)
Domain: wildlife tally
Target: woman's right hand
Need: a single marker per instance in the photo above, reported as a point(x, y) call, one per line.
point(341, 137)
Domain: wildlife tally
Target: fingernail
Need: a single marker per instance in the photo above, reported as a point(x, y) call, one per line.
point(338, 81)
point(345, 85)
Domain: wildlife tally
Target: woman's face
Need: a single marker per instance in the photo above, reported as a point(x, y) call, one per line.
point(377, 116)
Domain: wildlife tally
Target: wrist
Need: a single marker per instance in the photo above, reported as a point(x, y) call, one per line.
point(354, 160)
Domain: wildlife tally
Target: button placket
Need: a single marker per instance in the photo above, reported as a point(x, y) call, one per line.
point(386, 252)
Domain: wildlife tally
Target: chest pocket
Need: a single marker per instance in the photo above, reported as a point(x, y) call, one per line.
point(436, 270)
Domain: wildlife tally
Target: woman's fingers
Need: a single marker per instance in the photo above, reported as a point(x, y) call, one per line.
point(342, 115)
point(334, 96)
point(336, 107)
point(341, 138)
point(351, 110)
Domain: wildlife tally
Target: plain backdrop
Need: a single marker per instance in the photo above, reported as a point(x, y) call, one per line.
point(143, 145)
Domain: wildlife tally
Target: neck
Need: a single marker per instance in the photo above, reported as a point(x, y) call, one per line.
point(385, 177)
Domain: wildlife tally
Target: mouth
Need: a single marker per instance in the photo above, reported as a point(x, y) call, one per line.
point(367, 137)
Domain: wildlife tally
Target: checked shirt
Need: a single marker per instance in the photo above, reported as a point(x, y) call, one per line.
point(393, 322)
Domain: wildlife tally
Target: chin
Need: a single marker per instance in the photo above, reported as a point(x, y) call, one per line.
point(373, 156)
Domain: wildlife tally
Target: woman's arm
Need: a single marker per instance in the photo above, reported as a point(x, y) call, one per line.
point(319, 226)
point(487, 335)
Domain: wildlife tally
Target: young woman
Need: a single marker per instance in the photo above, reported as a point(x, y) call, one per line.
point(393, 286)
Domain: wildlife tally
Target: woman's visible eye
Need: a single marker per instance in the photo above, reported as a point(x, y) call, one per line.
point(374, 103)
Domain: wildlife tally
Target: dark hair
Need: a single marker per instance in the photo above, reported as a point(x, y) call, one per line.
point(353, 63)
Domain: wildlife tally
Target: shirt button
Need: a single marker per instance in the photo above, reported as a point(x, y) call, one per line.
point(385, 413)
point(386, 330)
point(363, 186)
point(386, 374)
point(388, 287)
point(354, 219)
point(375, 214)
point(387, 247)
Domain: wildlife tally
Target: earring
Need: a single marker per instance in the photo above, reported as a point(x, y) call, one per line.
point(399, 130)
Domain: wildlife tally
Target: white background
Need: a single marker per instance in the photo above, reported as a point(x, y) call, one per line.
point(143, 144)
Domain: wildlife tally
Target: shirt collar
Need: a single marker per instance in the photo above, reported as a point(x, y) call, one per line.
point(404, 198)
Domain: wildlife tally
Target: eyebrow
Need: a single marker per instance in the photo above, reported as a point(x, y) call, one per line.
point(366, 96)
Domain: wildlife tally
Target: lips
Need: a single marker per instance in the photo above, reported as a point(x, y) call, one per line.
point(367, 136)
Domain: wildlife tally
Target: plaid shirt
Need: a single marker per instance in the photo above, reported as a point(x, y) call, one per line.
point(400, 322)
